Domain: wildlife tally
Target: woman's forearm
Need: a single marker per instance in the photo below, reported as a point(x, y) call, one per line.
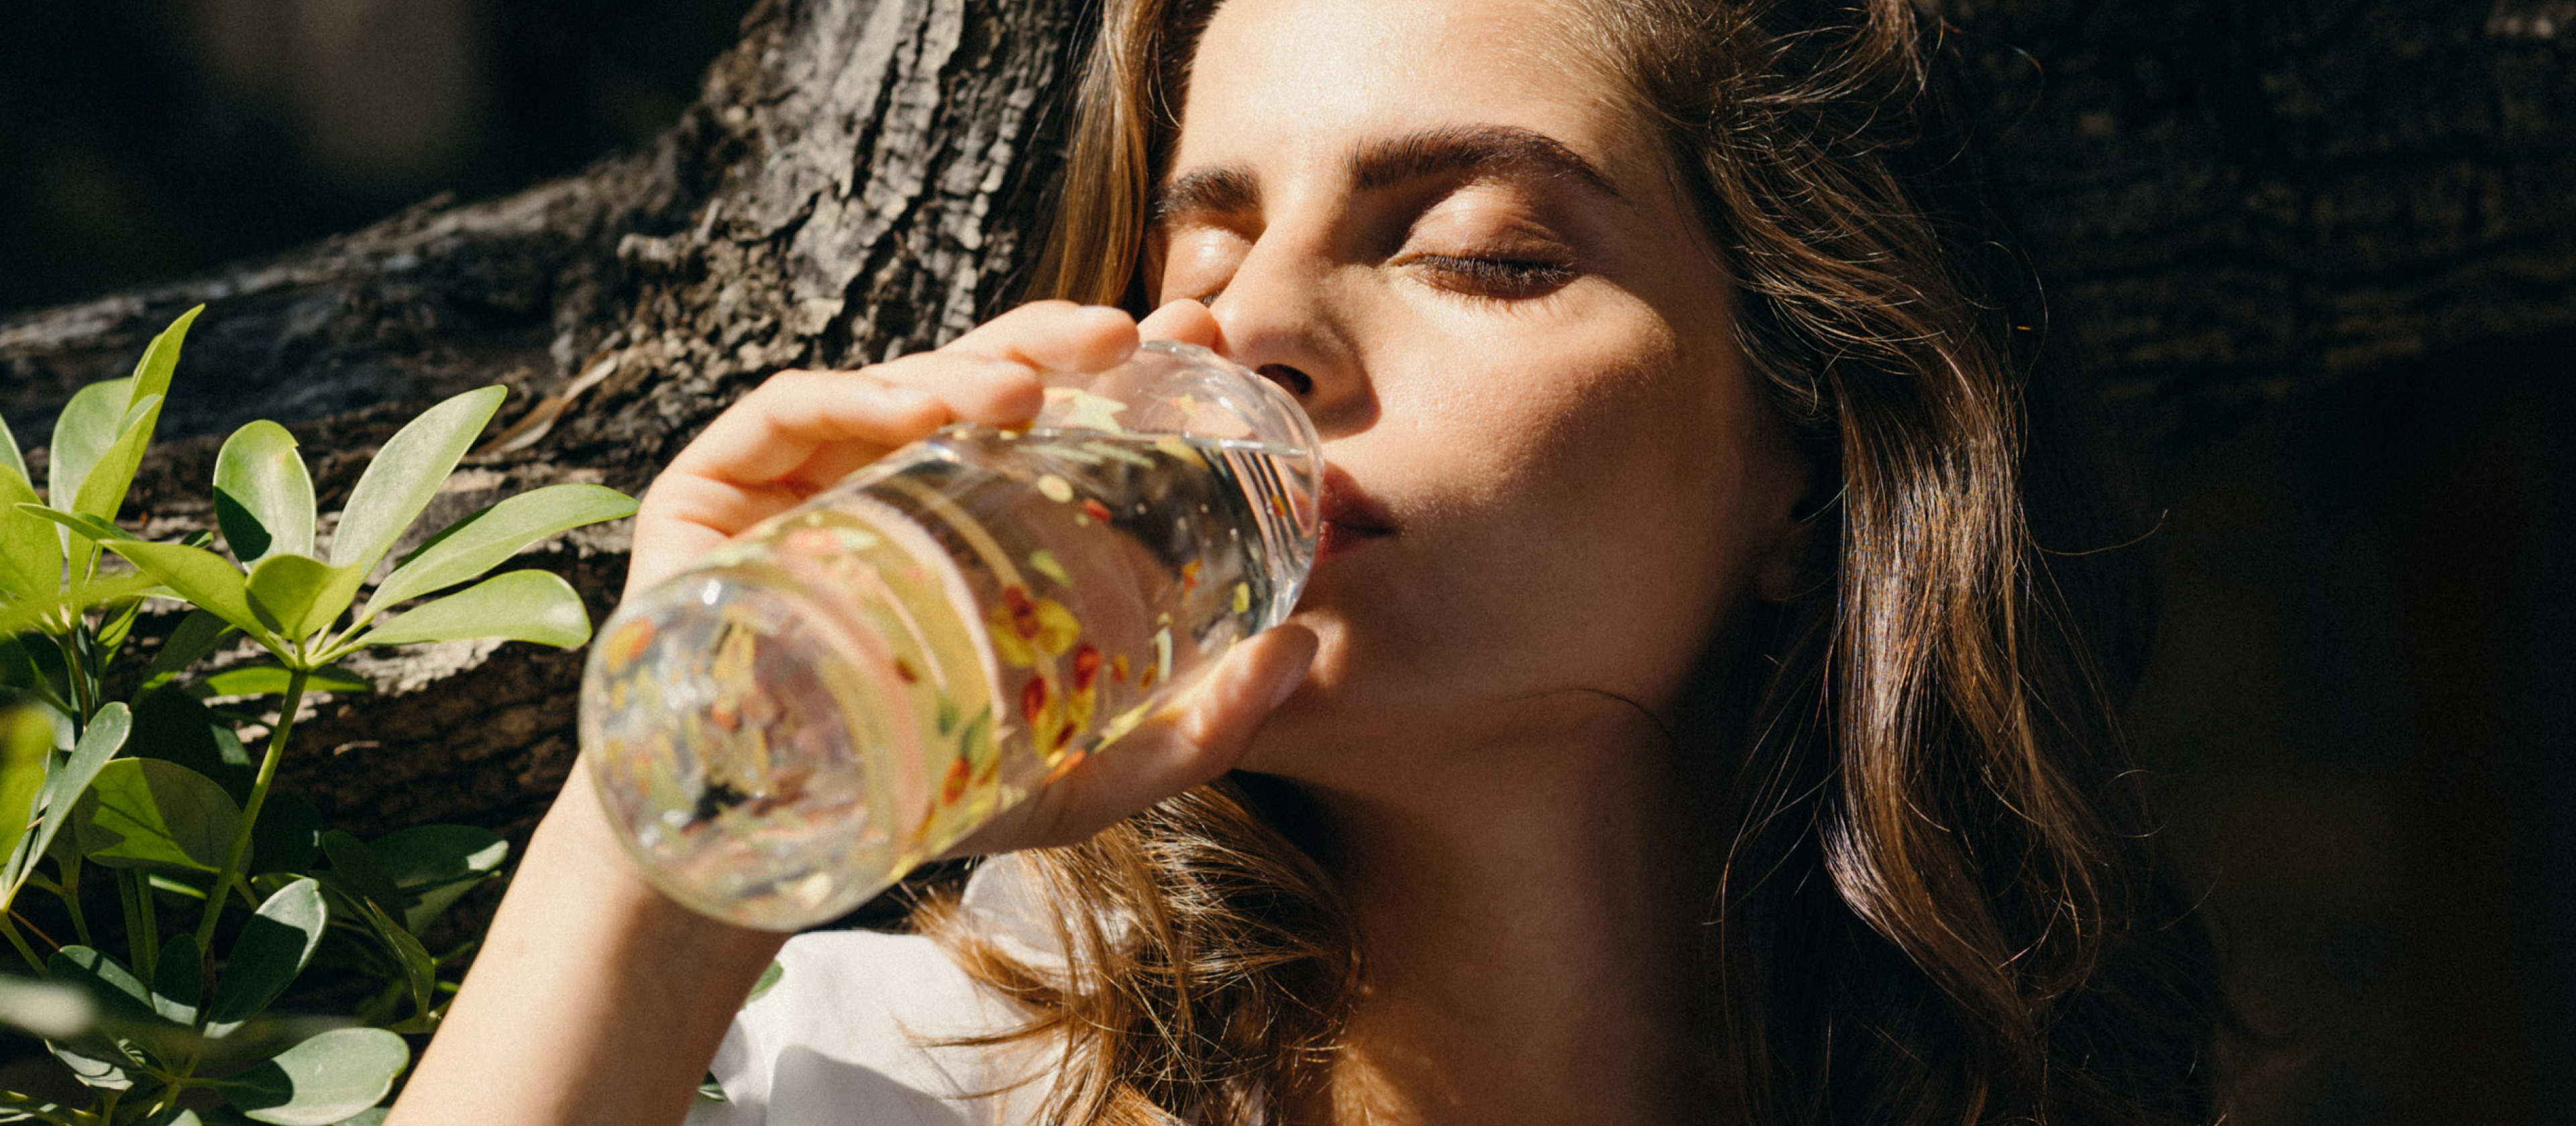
point(594, 1000)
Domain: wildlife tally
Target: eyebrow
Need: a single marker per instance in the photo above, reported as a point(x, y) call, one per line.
point(1473, 150)
point(1476, 150)
point(1209, 191)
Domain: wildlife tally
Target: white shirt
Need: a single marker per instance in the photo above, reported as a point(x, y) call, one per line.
point(852, 1032)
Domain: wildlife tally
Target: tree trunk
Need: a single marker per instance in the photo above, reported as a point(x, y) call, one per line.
point(851, 184)
point(2234, 204)
point(2229, 203)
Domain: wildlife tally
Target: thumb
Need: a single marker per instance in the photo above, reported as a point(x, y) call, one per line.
point(1189, 743)
point(1219, 716)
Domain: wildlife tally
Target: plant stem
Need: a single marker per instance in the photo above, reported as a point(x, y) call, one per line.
point(221, 892)
point(141, 945)
point(169, 1097)
point(9, 927)
point(44, 1110)
point(148, 911)
point(81, 695)
point(72, 901)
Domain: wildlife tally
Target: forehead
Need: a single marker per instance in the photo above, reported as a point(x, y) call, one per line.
point(1277, 83)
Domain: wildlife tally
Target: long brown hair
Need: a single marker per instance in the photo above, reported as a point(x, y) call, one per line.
point(1938, 906)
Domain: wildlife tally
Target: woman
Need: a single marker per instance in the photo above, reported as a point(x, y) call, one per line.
point(1681, 724)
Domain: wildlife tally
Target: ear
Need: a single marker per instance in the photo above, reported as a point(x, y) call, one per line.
point(1804, 492)
point(1780, 571)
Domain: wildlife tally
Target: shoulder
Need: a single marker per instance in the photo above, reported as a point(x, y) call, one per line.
point(856, 1030)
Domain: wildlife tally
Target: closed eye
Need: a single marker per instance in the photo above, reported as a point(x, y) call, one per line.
point(1502, 278)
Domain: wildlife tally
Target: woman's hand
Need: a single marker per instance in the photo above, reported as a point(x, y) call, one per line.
point(802, 431)
point(595, 999)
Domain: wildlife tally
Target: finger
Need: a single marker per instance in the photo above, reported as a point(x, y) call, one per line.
point(776, 428)
point(1053, 336)
point(1184, 320)
point(682, 517)
point(1003, 393)
point(1189, 744)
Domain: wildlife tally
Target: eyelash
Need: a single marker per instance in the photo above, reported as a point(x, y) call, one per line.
point(1499, 277)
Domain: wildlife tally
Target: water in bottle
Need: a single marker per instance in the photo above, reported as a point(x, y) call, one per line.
point(853, 686)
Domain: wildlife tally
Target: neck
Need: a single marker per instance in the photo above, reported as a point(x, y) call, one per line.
point(1529, 918)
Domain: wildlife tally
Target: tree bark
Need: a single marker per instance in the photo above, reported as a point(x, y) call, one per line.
point(2233, 204)
point(2229, 204)
point(851, 184)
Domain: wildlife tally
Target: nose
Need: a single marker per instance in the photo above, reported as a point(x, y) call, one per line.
point(1280, 315)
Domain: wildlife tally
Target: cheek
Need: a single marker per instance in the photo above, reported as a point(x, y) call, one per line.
point(1597, 491)
point(1563, 422)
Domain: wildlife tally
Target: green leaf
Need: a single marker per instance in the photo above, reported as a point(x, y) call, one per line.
point(406, 473)
point(297, 595)
point(125, 1015)
point(89, 424)
point(179, 980)
point(31, 551)
point(146, 813)
point(111, 984)
point(93, 1072)
point(274, 947)
point(117, 622)
point(103, 491)
point(289, 835)
point(47, 615)
point(263, 496)
point(768, 981)
point(129, 1033)
point(196, 636)
point(18, 663)
point(152, 373)
point(26, 749)
point(431, 866)
point(533, 606)
point(200, 576)
point(82, 524)
point(173, 727)
point(10, 456)
point(98, 743)
point(356, 870)
point(482, 541)
point(420, 971)
point(271, 680)
point(321, 1081)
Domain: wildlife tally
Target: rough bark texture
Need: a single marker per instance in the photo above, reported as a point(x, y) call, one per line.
point(2229, 203)
point(850, 185)
point(2235, 203)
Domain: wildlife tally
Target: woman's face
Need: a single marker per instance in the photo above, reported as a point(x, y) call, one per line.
point(1551, 469)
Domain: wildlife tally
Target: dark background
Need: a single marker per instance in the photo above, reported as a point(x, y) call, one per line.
point(143, 140)
point(2359, 706)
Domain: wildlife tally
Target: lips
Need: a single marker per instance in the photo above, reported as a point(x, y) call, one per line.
point(1350, 517)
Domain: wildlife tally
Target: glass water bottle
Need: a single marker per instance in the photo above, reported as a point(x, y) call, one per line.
point(849, 688)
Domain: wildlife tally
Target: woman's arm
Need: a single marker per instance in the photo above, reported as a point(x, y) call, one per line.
point(594, 999)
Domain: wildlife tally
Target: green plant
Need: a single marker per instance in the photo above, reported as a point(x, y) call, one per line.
point(125, 778)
